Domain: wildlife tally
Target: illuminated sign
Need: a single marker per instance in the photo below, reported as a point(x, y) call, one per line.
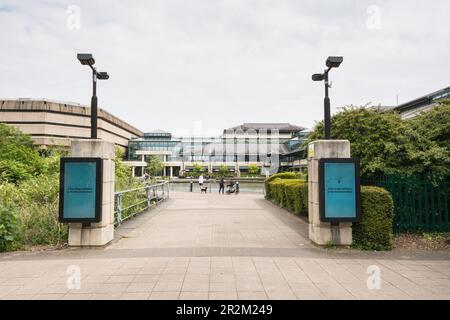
point(80, 195)
point(339, 190)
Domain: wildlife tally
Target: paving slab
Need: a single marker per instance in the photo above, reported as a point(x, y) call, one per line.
point(212, 246)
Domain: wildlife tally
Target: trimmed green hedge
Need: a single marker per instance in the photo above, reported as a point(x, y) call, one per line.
point(291, 194)
point(374, 232)
point(283, 176)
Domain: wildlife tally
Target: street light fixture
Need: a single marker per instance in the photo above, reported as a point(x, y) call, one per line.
point(332, 62)
point(87, 59)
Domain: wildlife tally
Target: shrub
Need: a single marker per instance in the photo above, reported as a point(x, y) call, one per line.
point(283, 175)
point(37, 215)
point(291, 194)
point(8, 228)
point(299, 198)
point(374, 232)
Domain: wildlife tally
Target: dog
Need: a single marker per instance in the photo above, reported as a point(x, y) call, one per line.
point(203, 189)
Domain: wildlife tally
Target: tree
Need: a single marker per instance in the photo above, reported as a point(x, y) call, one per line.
point(19, 159)
point(223, 170)
point(154, 165)
point(196, 170)
point(253, 169)
point(386, 144)
point(431, 137)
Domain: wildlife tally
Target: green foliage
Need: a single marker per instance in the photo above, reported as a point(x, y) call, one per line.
point(29, 191)
point(196, 170)
point(291, 194)
point(223, 170)
point(8, 228)
point(36, 203)
point(19, 160)
point(431, 138)
point(387, 145)
point(374, 232)
point(283, 175)
point(253, 169)
point(155, 166)
point(123, 173)
point(377, 138)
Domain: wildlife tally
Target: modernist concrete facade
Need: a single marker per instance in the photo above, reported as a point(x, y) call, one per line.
point(52, 123)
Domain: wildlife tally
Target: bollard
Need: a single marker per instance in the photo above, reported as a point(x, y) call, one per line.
point(192, 186)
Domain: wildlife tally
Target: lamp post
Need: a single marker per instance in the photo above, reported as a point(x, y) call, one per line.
point(332, 62)
point(88, 60)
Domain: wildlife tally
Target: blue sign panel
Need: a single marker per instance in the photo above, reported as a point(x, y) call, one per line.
point(339, 190)
point(80, 190)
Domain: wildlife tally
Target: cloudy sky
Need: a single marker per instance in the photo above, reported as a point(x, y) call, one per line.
point(177, 63)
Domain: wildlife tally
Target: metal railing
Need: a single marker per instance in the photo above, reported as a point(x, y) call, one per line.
point(129, 203)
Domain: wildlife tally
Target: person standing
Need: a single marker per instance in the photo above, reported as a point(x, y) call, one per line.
point(222, 185)
point(200, 181)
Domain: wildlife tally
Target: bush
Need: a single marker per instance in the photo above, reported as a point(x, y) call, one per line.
point(284, 176)
point(374, 232)
point(8, 228)
point(38, 211)
point(291, 194)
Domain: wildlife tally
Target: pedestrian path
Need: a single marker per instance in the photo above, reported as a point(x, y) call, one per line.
point(198, 246)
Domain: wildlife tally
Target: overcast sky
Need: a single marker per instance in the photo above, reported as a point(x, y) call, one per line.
point(175, 63)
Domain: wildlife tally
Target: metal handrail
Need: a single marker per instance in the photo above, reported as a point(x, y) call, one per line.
point(151, 193)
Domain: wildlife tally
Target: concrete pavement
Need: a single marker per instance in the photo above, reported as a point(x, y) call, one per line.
point(220, 247)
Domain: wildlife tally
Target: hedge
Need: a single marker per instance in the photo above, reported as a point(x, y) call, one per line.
point(283, 176)
point(374, 232)
point(291, 194)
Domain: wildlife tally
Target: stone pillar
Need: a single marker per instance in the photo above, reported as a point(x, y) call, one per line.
point(171, 172)
point(133, 171)
point(96, 234)
point(323, 233)
point(143, 158)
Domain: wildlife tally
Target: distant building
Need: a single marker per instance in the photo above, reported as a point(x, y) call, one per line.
point(237, 148)
point(52, 123)
point(413, 108)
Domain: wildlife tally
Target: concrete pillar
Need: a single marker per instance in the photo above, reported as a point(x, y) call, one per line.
point(96, 234)
point(321, 233)
point(171, 172)
point(133, 171)
point(143, 158)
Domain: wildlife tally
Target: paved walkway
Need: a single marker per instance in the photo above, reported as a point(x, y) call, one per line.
point(220, 247)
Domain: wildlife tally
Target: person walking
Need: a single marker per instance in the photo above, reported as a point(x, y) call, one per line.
point(222, 185)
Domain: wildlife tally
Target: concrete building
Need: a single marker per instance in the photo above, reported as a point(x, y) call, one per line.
point(52, 123)
point(259, 144)
point(414, 107)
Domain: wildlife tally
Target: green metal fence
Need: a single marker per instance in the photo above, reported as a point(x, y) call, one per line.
point(420, 202)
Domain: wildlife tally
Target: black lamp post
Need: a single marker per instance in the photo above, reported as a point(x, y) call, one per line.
point(88, 60)
point(332, 62)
